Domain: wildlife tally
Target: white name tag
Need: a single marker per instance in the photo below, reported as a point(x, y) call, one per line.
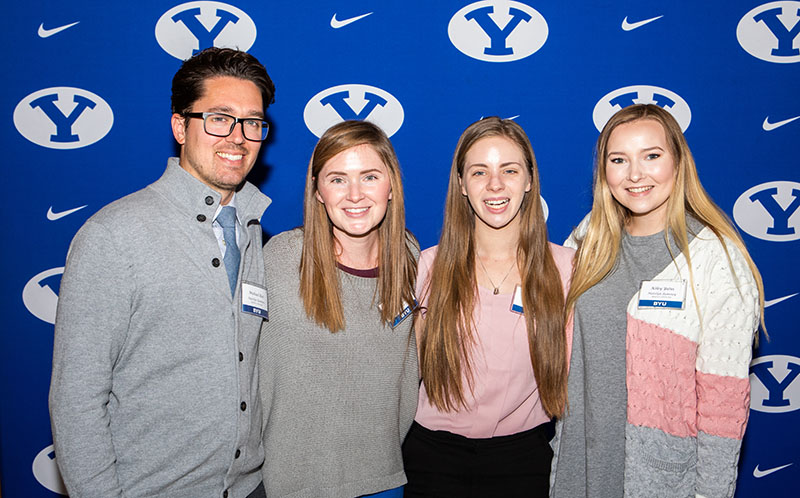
point(254, 300)
point(662, 294)
point(516, 303)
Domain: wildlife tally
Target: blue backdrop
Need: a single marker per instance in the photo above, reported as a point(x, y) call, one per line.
point(86, 120)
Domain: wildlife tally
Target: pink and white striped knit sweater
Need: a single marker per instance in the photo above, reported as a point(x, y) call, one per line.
point(687, 378)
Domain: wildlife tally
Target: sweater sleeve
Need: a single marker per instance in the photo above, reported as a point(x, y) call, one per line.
point(92, 319)
point(577, 233)
point(729, 317)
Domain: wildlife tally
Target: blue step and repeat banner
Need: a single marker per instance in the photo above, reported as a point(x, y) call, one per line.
point(85, 107)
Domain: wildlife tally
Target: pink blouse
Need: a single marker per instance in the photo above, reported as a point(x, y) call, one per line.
point(505, 398)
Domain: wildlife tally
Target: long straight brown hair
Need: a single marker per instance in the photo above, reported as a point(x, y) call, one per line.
point(599, 247)
point(319, 277)
point(447, 332)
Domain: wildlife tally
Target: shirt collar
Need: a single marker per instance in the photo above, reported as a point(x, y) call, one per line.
point(232, 204)
point(194, 197)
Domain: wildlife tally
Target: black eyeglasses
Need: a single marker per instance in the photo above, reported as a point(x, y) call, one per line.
point(222, 125)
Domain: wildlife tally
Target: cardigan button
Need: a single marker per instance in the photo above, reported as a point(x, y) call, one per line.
point(209, 200)
point(237, 454)
point(225, 494)
point(241, 356)
point(243, 406)
point(201, 218)
point(215, 262)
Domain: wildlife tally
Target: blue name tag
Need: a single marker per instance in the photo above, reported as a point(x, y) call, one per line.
point(256, 311)
point(646, 303)
point(404, 314)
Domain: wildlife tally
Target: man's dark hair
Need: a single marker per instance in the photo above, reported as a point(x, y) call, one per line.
point(188, 84)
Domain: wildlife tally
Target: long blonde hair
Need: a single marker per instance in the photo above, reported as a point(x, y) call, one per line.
point(447, 331)
point(319, 279)
point(598, 250)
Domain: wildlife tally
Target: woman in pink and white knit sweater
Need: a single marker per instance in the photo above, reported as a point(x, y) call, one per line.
point(664, 304)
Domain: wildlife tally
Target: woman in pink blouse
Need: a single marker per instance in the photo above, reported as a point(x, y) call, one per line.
point(492, 347)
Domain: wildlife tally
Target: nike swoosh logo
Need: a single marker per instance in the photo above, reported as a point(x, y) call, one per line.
point(630, 26)
point(771, 126)
point(336, 24)
point(44, 33)
point(761, 473)
point(57, 216)
point(769, 303)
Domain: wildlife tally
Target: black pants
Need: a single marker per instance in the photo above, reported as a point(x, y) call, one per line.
point(442, 464)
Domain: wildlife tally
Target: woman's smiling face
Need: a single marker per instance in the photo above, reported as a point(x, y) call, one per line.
point(495, 179)
point(640, 172)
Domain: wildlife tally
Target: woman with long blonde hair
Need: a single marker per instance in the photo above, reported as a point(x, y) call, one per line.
point(664, 301)
point(338, 367)
point(492, 346)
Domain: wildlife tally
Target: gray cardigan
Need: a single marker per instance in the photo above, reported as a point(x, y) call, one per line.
point(154, 385)
point(337, 406)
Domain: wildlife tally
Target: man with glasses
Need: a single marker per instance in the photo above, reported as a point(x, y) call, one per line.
point(154, 386)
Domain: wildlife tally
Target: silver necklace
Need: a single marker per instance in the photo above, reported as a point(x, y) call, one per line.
point(496, 287)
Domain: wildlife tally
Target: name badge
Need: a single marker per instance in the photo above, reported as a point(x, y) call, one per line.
point(407, 310)
point(254, 300)
point(662, 294)
point(516, 303)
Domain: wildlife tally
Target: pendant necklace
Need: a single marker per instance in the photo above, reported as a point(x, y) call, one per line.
point(496, 287)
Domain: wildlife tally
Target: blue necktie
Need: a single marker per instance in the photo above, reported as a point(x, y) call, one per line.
point(227, 220)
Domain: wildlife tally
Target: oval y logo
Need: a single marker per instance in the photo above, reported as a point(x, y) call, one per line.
point(191, 27)
point(497, 31)
point(40, 297)
point(46, 471)
point(770, 211)
point(641, 94)
point(769, 32)
point(63, 118)
point(359, 102)
point(545, 208)
point(774, 387)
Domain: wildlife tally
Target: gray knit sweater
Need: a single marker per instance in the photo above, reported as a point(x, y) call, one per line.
point(154, 386)
point(337, 406)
